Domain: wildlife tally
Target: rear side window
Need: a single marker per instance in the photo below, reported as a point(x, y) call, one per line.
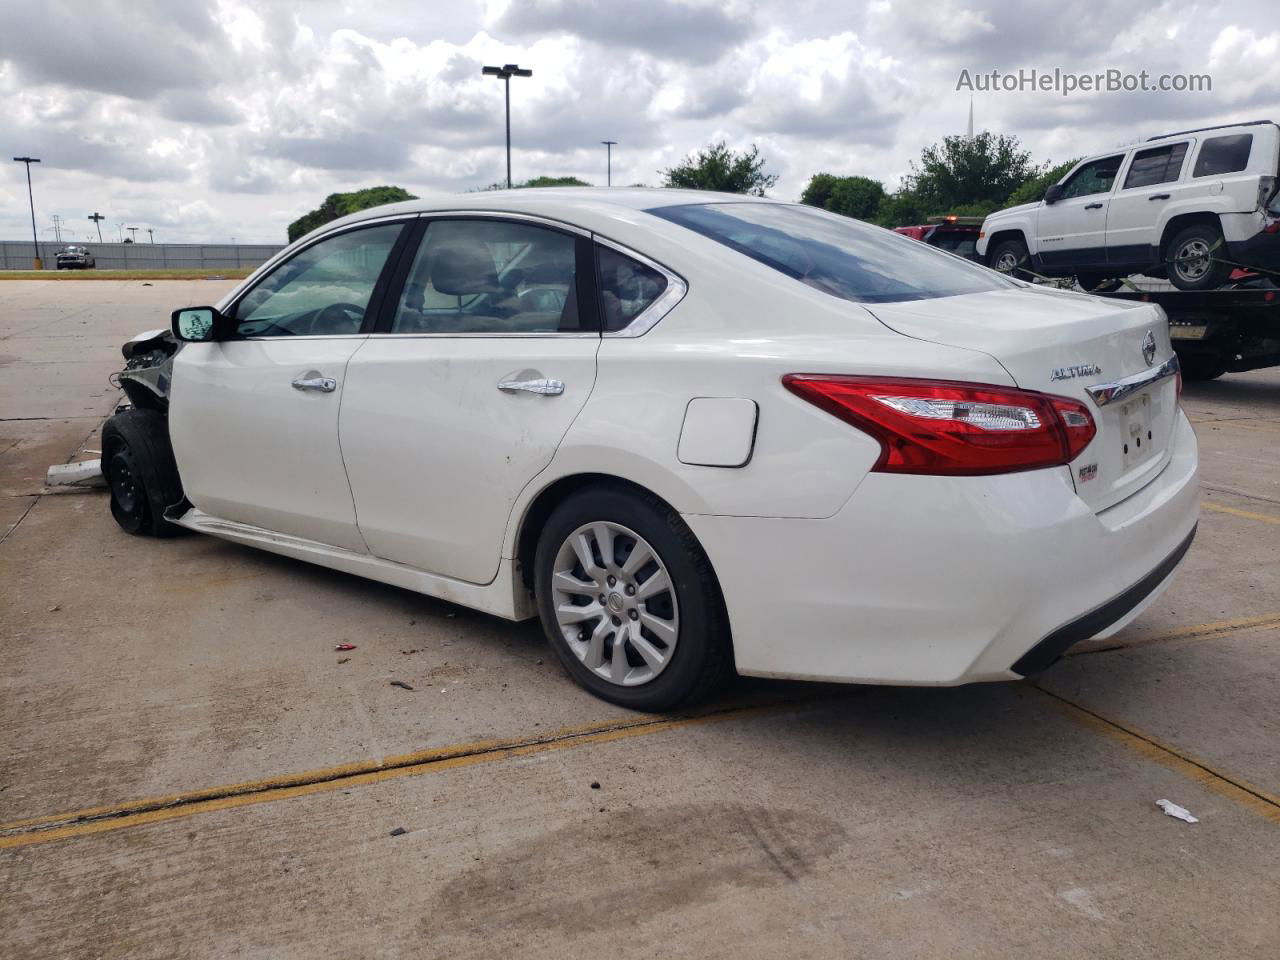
point(837, 255)
point(627, 287)
point(490, 276)
point(1223, 155)
point(1157, 165)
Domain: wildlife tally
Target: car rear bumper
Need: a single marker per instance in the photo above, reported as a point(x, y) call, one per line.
point(945, 580)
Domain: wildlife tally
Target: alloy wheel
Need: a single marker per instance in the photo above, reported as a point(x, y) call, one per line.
point(1006, 262)
point(1192, 259)
point(615, 604)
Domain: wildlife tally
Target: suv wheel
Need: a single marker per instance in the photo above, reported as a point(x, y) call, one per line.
point(138, 464)
point(1192, 255)
point(629, 602)
point(1009, 256)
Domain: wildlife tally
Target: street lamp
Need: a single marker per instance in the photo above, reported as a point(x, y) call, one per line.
point(505, 73)
point(152, 234)
point(35, 242)
point(608, 145)
point(97, 219)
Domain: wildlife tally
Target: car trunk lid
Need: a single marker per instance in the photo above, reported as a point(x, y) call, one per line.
point(1063, 343)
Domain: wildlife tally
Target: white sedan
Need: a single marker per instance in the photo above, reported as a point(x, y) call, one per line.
point(694, 433)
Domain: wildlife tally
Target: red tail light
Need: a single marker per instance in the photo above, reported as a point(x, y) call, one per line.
point(949, 428)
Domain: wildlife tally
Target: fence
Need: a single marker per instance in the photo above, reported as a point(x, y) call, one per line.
point(16, 255)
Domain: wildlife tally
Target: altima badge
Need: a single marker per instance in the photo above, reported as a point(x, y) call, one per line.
point(1079, 370)
point(1149, 347)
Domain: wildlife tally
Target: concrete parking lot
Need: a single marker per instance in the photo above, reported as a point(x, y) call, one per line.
point(190, 769)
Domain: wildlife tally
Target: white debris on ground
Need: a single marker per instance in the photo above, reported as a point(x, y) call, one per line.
point(1173, 810)
point(85, 473)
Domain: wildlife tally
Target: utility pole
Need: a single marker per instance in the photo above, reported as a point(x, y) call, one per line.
point(97, 219)
point(35, 241)
point(152, 234)
point(608, 146)
point(57, 228)
point(133, 233)
point(505, 73)
point(120, 233)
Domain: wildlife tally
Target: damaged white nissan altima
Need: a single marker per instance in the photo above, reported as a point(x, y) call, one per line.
point(694, 433)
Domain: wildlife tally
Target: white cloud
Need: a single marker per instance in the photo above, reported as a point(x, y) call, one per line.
point(222, 117)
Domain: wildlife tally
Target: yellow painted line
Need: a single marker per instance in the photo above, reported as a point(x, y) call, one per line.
point(1201, 631)
point(1247, 514)
point(24, 833)
point(1261, 802)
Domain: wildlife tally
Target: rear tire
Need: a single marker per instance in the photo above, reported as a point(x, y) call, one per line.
point(1010, 257)
point(1203, 366)
point(138, 464)
point(1192, 255)
point(683, 629)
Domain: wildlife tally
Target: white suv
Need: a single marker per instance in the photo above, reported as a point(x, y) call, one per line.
point(1186, 205)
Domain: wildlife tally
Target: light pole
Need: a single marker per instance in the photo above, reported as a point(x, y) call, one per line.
point(97, 219)
point(35, 242)
point(505, 73)
point(133, 233)
point(152, 234)
point(608, 146)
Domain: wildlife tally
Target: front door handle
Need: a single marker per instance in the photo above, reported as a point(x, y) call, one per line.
point(1093, 206)
point(545, 388)
point(1158, 196)
point(319, 384)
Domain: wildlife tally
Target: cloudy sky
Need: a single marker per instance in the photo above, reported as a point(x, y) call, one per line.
point(207, 119)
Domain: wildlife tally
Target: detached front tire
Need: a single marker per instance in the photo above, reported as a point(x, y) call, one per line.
point(629, 602)
point(137, 461)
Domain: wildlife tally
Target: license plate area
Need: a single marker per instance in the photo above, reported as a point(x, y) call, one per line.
point(1138, 441)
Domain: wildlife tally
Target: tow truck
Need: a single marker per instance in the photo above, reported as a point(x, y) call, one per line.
point(955, 234)
point(1229, 330)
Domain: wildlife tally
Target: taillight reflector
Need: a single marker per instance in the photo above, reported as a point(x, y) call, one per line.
point(949, 428)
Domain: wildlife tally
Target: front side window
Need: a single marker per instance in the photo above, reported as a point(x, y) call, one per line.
point(837, 255)
point(322, 291)
point(490, 276)
point(1097, 176)
point(627, 287)
point(1157, 165)
point(1221, 155)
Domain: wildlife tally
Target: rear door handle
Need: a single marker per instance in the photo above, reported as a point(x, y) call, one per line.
point(319, 384)
point(1093, 206)
point(545, 388)
point(1158, 196)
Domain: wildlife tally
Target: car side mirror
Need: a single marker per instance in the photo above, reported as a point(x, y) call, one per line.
point(199, 324)
point(1053, 194)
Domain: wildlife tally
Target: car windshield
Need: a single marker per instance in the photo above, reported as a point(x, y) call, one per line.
point(838, 255)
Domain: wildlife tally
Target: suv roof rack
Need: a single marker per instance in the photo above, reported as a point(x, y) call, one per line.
point(1221, 126)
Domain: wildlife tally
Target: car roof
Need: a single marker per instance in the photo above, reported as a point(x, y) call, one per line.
point(584, 205)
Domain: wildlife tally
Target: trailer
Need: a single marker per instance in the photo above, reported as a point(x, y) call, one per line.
point(1228, 330)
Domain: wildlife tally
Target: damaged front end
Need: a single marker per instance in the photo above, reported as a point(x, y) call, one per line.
point(148, 369)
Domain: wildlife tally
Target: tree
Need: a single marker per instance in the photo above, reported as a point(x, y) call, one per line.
point(857, 197)
point(900, 209)
point(539, 182)
point(984, 168)
point(340, 204)
point(1033, 190)
point(719, 168)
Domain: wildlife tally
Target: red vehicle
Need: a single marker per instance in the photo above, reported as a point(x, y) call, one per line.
point(958, 235)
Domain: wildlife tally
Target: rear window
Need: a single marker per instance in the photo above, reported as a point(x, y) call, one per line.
point(1223, 155)
point(1157, 165)
point(837, 255)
